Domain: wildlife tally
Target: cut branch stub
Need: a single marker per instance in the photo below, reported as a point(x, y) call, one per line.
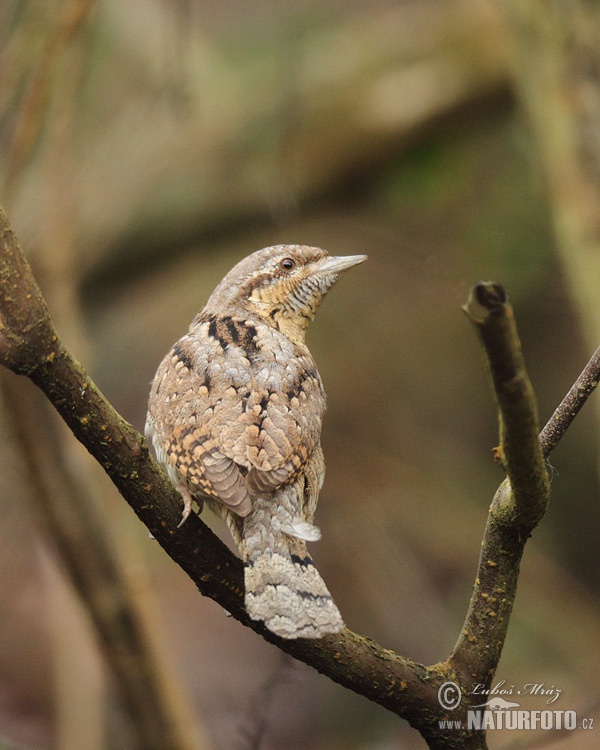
point(485, 298)
point(520, 451)
point(521, 499)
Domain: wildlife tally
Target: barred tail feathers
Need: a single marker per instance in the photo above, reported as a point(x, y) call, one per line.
point(283, 587)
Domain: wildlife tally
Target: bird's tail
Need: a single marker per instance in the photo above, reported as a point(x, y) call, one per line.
point(283, 587)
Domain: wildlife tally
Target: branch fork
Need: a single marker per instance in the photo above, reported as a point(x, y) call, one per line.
point(29, 345)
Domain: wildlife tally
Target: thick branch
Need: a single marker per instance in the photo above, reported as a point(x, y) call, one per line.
point(25, 325)
point(81, 536)
point(29, 345)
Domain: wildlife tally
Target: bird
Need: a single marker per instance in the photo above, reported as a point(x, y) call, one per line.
point(235, 415)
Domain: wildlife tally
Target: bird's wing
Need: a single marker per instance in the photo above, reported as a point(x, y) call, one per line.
point(195, 415)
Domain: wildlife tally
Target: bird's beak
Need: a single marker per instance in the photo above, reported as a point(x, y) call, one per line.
point(338, 263)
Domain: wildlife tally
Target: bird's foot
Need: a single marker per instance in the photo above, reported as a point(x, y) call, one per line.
point(188, 501)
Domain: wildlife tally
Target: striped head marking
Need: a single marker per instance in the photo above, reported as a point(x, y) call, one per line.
point(283, 284)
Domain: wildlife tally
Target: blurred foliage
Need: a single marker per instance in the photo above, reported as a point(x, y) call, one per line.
point(177, 137)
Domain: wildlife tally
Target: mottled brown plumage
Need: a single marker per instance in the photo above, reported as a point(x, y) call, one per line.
point(235, 416)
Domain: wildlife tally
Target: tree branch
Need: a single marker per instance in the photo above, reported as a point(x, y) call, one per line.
point(521, 499)
point(519, 452)
point(571, 405)
point(30, 346)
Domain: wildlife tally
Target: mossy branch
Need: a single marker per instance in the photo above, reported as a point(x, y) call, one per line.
point(29, 345)
point(523, 500)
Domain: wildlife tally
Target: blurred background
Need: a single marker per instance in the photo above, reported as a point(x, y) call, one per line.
point(145, 148)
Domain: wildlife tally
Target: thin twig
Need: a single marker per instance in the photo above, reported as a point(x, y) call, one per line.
point(571, 405)
point(261, 708)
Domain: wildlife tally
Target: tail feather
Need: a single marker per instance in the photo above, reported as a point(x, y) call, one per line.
point(287, 593)
point(283, 586)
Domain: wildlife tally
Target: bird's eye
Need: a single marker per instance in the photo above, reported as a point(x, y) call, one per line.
point(287, 264)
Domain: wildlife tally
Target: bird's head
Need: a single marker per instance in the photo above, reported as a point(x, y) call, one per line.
point(283, 284)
